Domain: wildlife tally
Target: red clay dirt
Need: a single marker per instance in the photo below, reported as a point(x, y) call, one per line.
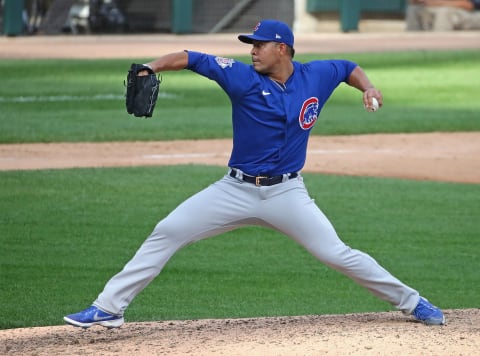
point(451, 157)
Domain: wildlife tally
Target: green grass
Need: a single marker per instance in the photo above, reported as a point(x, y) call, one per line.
point(82, 100)
point(64, 233)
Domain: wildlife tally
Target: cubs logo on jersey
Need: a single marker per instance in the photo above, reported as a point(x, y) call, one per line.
point(309, 113)
point(224, 62)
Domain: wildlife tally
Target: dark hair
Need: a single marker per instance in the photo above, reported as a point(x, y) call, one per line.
point(291, 50)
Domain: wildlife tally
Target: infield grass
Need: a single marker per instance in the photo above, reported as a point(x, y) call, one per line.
point(82, 100)
point(64, 233)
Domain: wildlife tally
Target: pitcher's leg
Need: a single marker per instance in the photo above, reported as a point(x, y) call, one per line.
point(205, 214)
point(305, 223)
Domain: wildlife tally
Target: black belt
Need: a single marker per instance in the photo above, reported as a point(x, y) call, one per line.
point(262, 180)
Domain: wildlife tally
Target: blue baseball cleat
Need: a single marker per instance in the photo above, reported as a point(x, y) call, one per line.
point(428, 313)
point(94, 316)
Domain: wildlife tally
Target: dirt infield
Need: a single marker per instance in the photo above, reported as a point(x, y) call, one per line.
point(434, 156)
point(151, 46)
point(388, 333)
point(451, 157)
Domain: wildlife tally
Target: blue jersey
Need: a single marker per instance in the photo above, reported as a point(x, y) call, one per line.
point(272, 121)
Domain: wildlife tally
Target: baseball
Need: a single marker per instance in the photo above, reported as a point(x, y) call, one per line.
point(374, 106)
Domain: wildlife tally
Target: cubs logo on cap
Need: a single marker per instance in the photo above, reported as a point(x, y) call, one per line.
point(270, 31)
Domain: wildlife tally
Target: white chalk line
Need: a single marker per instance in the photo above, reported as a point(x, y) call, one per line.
point(58, 98)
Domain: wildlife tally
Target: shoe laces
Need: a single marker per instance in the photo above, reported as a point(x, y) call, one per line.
point(424, 309)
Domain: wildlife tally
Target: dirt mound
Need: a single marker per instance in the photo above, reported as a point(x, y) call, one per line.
point(388, 333)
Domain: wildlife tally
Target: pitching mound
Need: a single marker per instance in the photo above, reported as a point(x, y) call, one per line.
point(389, 333)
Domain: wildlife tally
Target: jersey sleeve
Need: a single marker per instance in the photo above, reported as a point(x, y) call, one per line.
point(227, 72)
point(340, 69)
point(330, 73)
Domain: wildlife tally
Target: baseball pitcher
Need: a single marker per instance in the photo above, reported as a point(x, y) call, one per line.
point(276, 102)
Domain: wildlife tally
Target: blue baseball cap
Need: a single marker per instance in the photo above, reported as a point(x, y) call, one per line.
point(270, 31)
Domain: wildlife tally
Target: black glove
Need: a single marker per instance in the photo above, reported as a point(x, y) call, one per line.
point(142, 91)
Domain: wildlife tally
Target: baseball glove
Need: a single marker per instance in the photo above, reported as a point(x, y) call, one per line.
point(142, 90)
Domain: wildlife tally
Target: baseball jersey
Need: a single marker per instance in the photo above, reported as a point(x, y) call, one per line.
point(272, 121)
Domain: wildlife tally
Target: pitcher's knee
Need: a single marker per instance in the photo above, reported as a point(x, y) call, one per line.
point(341, 258)
point(171, 233)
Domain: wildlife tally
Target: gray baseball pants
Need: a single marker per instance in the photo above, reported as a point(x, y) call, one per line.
point(229, 204)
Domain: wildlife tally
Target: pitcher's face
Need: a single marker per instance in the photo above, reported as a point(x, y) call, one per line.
point(265, 56)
